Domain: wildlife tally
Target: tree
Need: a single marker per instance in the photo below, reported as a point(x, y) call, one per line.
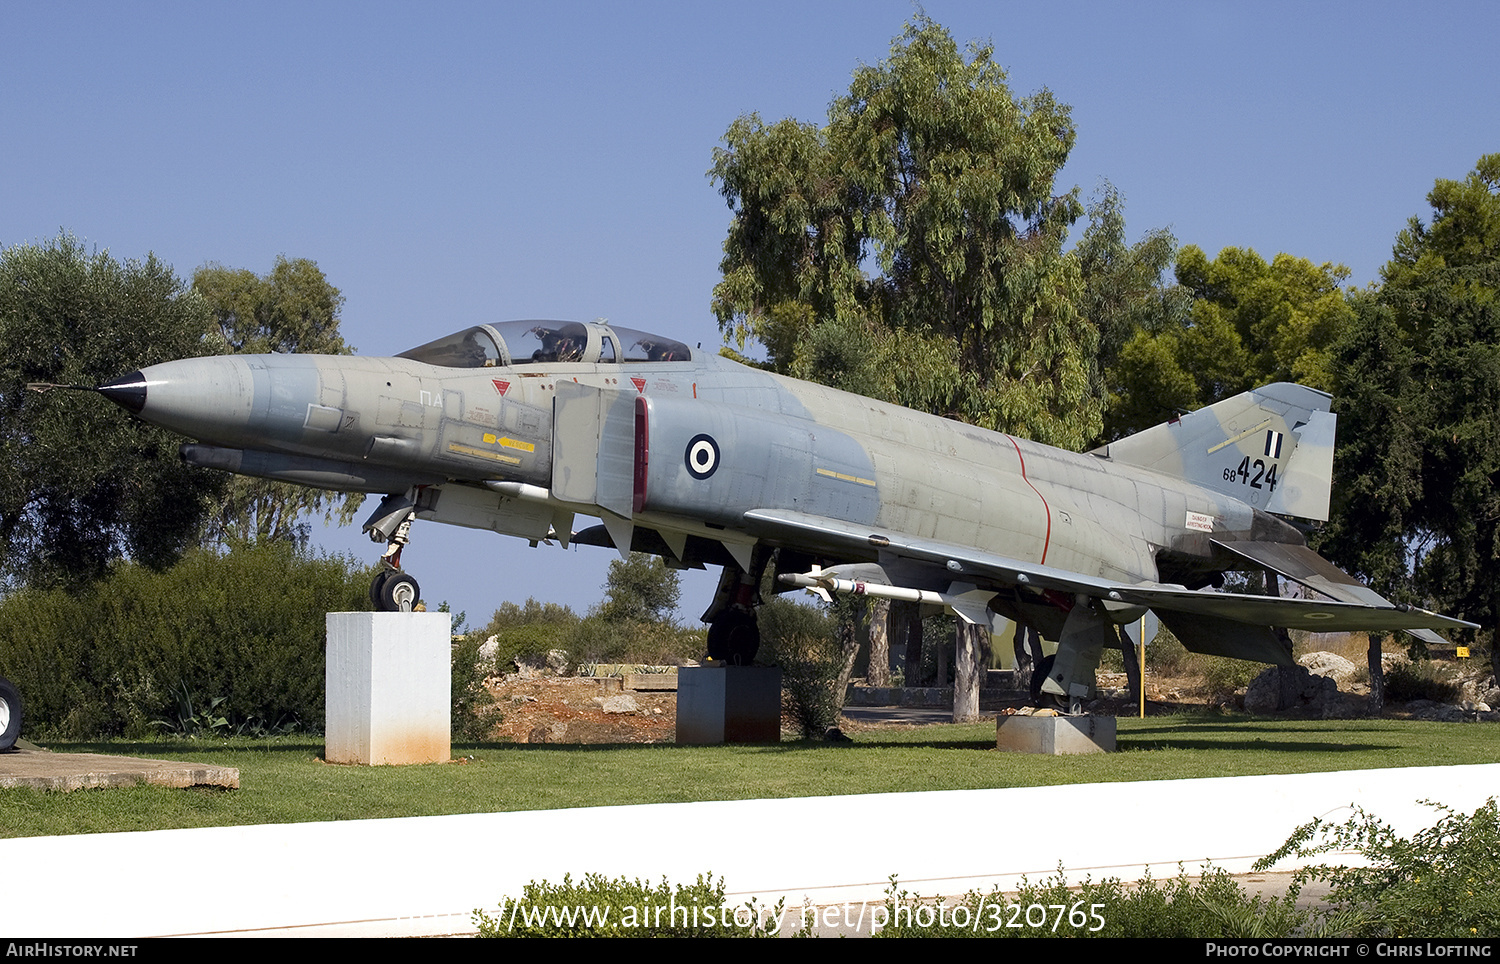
point(1418, 511)
point(292, 309)
point(1123, 292)
point(641, 588)
point(930, 170)
point(79, 485)
point(1249, 323)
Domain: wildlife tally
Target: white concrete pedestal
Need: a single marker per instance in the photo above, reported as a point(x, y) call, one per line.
point(728, 704)
point(1055, 735)
point(388, 683)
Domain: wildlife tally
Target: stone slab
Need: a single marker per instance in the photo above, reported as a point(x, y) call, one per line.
point(1055, 735)
point(651, 682)
point(31, 766)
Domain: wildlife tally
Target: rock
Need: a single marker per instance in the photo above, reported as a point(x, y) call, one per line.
point(619, 703)
point(1331, 665)
point(1390, 660)
point(554, 663)
point(1292, 688)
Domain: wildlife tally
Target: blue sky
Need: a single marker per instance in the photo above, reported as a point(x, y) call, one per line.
point(453, 163)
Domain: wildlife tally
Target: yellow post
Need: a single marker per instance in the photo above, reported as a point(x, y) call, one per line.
point(1141, 662)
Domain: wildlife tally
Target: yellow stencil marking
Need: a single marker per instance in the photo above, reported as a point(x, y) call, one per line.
point(491, 439)
point(846, 478)
point(1244, 434)
point(481, 453)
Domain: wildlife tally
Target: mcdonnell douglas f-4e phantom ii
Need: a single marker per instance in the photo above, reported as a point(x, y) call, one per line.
point(520, 426)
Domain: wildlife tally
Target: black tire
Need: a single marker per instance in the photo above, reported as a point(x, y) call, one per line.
point(399, 593)
point(734, 638)
point(10, 714)
point(376, 585)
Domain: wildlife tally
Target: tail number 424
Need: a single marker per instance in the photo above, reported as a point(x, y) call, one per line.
point(1254, 474)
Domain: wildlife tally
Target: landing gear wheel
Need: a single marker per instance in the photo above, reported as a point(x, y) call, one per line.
point(10, 714)
point(376, 584)
point(399, 593)
point(734, 638)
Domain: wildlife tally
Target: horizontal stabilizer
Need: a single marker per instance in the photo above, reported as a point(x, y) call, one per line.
point(1301, 564)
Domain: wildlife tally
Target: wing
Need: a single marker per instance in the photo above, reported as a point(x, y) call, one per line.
point(1356, 608)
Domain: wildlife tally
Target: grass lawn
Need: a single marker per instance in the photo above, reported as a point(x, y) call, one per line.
point(283, 780)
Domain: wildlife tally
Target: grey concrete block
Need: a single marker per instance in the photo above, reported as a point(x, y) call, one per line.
point(1055, 735)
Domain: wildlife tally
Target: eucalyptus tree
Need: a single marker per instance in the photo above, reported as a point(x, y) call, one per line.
point(922, 222)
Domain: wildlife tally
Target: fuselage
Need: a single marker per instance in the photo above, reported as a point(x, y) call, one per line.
point(712, 439)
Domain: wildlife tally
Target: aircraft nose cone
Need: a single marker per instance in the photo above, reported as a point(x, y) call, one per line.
point(127, 391)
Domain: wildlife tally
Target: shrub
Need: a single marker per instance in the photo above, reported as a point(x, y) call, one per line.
point(474, 713)
point(528, 632)
point(597, 907)
point(240, 634)
point(803, 642)
point(1423, 680)
point(599, 639)
point(1223, 675)
point(1212, 905)
point(1440, 883)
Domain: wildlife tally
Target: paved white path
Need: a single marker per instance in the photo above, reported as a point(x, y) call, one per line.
point(425, 875)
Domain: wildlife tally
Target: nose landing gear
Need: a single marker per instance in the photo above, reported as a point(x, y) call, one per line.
point(392, 590)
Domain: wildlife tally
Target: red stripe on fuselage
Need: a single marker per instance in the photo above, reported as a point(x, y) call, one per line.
point(1047, 508)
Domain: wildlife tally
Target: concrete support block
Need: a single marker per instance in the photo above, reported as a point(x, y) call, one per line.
point(388, 683)
point(728, 704)
point(1055, 735)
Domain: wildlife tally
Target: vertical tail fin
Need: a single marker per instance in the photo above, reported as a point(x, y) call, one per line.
point(1271, 447)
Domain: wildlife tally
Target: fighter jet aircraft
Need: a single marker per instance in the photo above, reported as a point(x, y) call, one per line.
point(521, 426)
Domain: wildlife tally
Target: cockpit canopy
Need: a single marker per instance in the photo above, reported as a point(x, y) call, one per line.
point(546, 342)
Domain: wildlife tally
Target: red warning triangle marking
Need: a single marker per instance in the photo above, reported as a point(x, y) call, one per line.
point(501, 387)
point(640, 384)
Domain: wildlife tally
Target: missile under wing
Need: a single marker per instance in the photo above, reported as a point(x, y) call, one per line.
point(521, 427)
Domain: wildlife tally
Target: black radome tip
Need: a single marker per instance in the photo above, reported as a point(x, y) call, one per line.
point(127, 391)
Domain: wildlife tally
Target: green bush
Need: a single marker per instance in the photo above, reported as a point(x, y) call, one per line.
point(1212, 905)
point(803, 642)
point(474, 714)
point(528, 632)
point(1422, 680)
point(1223, 676)
point(601, 639)
point(238, 636)
point(1440, 883)
point(1166, 656)
point(597, 907)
